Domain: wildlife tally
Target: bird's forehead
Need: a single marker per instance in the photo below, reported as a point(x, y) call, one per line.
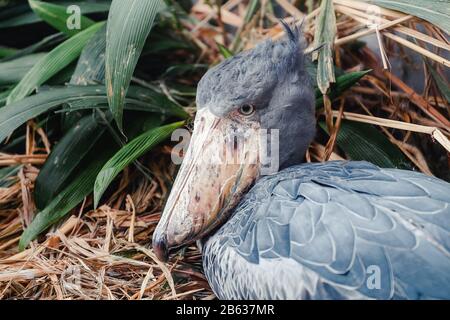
point(245, 77)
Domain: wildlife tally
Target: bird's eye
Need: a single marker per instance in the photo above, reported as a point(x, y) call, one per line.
point(247, 110)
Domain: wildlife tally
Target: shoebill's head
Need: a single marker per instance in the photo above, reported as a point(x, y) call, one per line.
point(255, 110)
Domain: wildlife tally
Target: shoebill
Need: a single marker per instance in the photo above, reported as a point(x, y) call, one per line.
point(333, 230)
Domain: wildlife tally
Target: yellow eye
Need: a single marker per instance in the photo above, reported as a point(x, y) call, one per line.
point(247, 110)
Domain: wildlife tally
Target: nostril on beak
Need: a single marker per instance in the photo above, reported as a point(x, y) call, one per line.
point(160, 247)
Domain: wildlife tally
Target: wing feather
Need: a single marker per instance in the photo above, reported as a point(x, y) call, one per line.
point(342, 222)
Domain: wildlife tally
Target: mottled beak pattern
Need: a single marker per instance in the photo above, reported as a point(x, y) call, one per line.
point(222, 162)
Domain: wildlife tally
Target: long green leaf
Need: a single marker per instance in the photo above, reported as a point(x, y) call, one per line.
point(65, 158)
point(8, 176)
point(440, 82)
point(13, 71)
point(16, 114)
point(129, 24)
point(251, 10)
point(362, 141)
point(54, 61)
point(80, 186)
point(225, 52)
point(3, 96)
point(65, 201)
point(324, 36)
point(17, 15)
point(43, 45)
point(6, 52)
point(435, 11)
point(86, 136)
point(343, 83)
point(90, 70)
point(57, 16)
point(128, 154)
point(91, 65)
point(21, 14)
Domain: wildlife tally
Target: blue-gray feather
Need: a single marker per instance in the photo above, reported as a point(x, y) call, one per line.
point(322, 231)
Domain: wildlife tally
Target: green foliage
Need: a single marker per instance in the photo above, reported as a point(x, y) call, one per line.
point(58, 17)
point(14, 70)
point(363, 142)
point(128, 154)
point(224, 51)
point(89, 88)
point(129, 24)
point(343, 83)
point(324, 36)
point(21, 13)
point(52, 63)
point(435, 11)
point(81, 97)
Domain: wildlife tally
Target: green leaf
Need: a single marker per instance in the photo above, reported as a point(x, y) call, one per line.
point(43, 45)
point(90, 70)
point(162, 43)
point(57, 16)
point(440, 82)
point(6, 52)
point(435, 11)
point(21, 14)
point(343, 83)
point(91, 64)
point(183, 69)
point(3, 96)
point(224, 51)
point(54, 61)
point(79, 188)
point(80, 182)
point(362, 141)
point(68, 155)
point(324, 36)
point(13, 71)
point(138, 99)
point(8, 176)
point(251, 10)
point(14, 115)
point(129, 24)
point(65, 158)
point(128, 154)
point(17, 15)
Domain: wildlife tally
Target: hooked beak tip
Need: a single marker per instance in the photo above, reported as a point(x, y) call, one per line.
point(160, 247)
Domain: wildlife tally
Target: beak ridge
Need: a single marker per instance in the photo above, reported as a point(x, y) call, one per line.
point(205, 191)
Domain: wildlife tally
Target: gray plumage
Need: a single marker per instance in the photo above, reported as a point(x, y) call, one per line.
point(273, 78)
point(338, 230)
point(319, 231)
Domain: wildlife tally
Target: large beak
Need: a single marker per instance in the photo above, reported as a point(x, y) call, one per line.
point(221, 163)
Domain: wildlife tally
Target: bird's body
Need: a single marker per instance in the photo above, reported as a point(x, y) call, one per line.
point(338, 230)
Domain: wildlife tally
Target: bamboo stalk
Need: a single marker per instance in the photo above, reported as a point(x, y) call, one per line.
point(418, 49)
point(364, 6)
point(363, 18)
point(35, 159)
point(418, 100)
point(408, 44)
point(370, 31)
point(432, 131)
